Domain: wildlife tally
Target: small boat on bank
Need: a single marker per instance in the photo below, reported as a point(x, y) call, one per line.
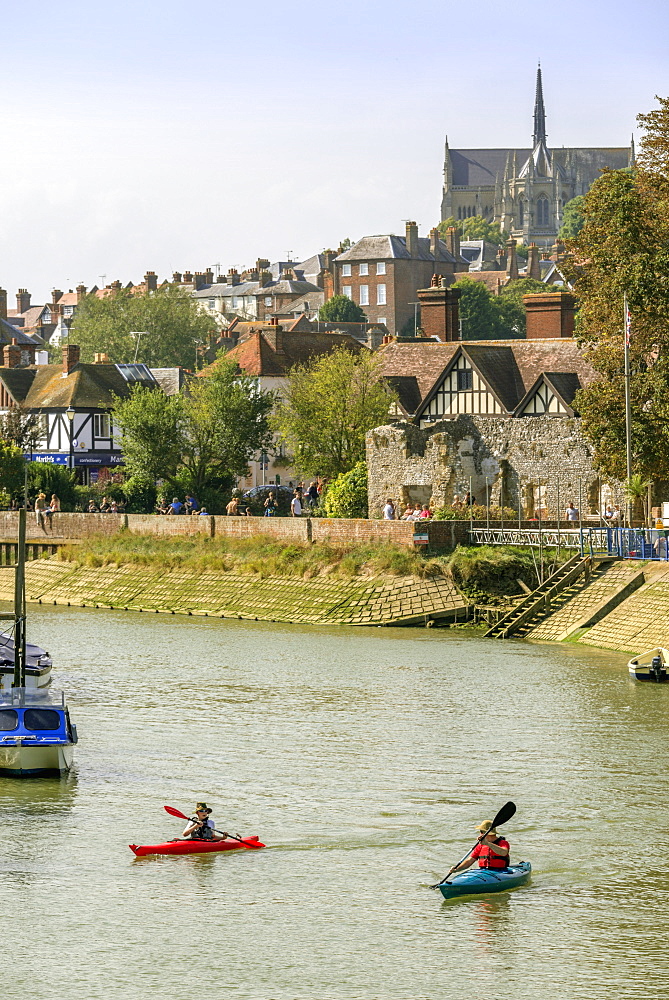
point(186, 846)
point(36, 735)
point(650, 666)
point(37, 666)
point(484, 880)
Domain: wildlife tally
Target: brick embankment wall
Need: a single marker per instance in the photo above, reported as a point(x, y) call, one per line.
point(288, 529)
point(640, 622)
point(326, 601)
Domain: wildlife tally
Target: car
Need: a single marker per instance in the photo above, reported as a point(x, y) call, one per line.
point(262, 492)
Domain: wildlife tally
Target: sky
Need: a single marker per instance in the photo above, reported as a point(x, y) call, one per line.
point(163, 136)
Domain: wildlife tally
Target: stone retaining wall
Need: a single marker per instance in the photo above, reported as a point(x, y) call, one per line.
point(324, 601)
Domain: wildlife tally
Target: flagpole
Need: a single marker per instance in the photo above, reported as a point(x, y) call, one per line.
point(628, 411)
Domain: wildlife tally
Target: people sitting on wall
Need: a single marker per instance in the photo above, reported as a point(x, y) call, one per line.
point(176, 507)
point(424, 513)
point(105, 505)
point(92, 507)
point(469, 501)
point(408, 513)
point(192, 505)
point(457, 502)
point(162, 506)
point(233, 507)
point(203, 512)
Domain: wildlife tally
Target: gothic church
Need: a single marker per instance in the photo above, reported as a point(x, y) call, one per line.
point(524, 191)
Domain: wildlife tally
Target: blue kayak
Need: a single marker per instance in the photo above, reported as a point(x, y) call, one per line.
point(477, 880)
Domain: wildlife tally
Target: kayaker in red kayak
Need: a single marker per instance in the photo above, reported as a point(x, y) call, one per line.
point(201, 827)
point(491, 851)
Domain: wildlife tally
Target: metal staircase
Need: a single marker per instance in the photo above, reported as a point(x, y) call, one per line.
point(538, 603)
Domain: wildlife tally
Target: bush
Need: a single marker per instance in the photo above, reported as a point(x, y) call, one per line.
point(478, 513)
point(12, 466)
point(47, 478)
point(347, 495)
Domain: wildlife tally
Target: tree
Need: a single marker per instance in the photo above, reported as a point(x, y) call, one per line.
point(20, 427)
point(474, 228)
point(511, 307)
point(623, 250)
point(573, 219)
point(341, 309)
point(347, 495)
point(329, 406)
point(12, 466)
point(169, 320)
point(199, 440)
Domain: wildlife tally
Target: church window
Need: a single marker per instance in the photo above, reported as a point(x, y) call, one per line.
point(542, 210)
point(521, 213)
point(459, 213)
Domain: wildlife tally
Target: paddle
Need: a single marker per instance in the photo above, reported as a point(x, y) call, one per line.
point(175, 812)
point(503, 816)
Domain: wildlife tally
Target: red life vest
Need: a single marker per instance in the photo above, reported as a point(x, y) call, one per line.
point(488, 858)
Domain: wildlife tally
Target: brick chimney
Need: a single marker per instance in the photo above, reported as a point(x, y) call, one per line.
point(440, 312)
point(412, 239)
point(3, 304)
point(262, 264)
point(176, 277)
point(233, 276)
point(209, 276)
point(151, 281)
point(533, 269)
point(188, 278)
point(273, 334)
point(56, 294)
point(199, 280)
point(549, 316)
point(11, 354)
point(511, 260)
point(453, 242)
point(81, 293)
point(22, 300)
point(70, 357)
point(434, 243)
point(116, 286)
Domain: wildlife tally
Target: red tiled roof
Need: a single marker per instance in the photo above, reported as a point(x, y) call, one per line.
point(256, 356)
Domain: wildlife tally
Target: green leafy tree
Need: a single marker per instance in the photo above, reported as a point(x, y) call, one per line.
point(51, 478)
point(328, 407)
point(196, 441)
point(12, 466)
point(341, 309)
point(347, 495)
point(474, 228)
point(623, 249)
point(511, 306)
point(573, 219)
point(169, 320)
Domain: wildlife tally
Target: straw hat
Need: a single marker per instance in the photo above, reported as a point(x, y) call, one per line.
point(486, 827)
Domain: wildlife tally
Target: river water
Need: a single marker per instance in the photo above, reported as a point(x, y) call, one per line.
point(364, 759)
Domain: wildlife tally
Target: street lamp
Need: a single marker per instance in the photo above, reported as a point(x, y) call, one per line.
point(69, 413)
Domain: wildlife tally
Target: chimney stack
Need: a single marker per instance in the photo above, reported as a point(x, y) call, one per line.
point(511, 260)
point(209, 276)
point(22, 300)
point(453, 242)
point(56, 294)
point(188, 278)
point(176, 277)
point(412, 239)
point(434, 243)
point(70, 358)
point(116, 286)
point(3, 304)
point(274, 335)
point(151, 281)
point(81, 293)
point(11, 354)
point(199, 280)
point(262, 264)
point(533, 269)
point(233, 276)
point(550, 315)
point(440, 312)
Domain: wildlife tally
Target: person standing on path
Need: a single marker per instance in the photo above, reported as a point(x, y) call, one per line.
point(270, 505)
point(571, 512)
point(296, 504)
point(389, 511)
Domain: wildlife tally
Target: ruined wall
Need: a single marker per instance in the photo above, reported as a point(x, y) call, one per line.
point(533, 457)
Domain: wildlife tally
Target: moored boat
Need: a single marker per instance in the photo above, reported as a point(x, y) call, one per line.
point(483, 880)
point(37, 666)
point(187, 846)
point(652, 665)
point(36, 734)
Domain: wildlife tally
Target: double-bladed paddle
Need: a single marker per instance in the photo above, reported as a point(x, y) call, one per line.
point(247, 843)
point(503, 816)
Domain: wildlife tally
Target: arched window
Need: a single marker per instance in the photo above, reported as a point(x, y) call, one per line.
point(542, 210)
point(521, 213)
point(459, 213)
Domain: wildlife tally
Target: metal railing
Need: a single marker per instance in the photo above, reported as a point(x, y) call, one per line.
point(620, 543)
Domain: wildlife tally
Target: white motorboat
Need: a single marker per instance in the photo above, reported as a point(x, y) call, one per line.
point(650, 666)
point(37, 667)
point(36, 734)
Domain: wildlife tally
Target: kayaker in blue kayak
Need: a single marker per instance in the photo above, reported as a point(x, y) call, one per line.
point(201, 826)
point(491, 851)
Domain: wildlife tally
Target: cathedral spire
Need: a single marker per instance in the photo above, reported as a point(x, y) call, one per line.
point(539, 112)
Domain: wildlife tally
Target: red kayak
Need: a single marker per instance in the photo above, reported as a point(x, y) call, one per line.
point(195, 846)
